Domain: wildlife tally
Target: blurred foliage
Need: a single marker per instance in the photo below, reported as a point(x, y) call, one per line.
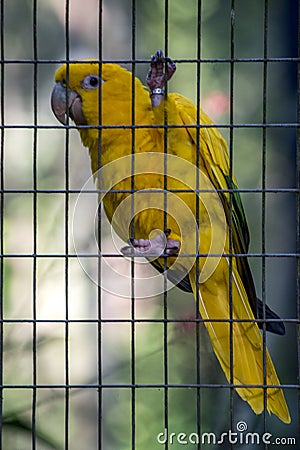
point(79, 415)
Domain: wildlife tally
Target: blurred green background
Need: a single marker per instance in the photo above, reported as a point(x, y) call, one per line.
point(69, 353)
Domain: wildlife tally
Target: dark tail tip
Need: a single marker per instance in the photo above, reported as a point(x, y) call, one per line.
point(276, 327)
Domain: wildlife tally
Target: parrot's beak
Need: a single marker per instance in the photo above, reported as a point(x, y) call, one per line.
point(63, 108)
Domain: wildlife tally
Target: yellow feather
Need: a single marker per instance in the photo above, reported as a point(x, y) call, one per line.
point(247, 342)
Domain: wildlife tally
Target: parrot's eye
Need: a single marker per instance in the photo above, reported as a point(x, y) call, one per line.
point(90, 82)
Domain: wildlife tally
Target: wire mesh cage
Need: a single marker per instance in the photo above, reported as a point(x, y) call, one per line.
point(99, 350)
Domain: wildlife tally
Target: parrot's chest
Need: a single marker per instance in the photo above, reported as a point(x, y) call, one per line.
point(141, 203)
point(134, 193)
point(161, 193)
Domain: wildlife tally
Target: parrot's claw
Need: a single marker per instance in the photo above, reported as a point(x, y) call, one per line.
point(171, 67)
point(160, 71)
point(156, 247)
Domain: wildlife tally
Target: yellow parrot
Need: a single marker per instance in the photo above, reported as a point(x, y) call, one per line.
point(180, 175)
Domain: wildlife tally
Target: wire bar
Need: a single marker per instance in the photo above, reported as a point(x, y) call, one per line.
point(2, 196)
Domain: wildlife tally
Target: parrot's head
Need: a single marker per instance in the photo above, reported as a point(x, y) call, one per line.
point(76, 92)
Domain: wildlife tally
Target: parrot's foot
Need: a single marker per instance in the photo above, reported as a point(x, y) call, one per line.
point(158, 246)
point(160, 71)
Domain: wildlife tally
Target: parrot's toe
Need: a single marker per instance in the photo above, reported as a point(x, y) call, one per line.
point(171, 67)
point(156, 247)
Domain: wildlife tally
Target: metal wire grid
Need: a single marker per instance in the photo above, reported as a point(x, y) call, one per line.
point(133, 386)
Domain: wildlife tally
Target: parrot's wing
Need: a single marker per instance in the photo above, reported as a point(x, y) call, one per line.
point(216, 160)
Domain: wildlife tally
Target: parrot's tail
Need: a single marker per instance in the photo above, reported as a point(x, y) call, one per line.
point(246, 340)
